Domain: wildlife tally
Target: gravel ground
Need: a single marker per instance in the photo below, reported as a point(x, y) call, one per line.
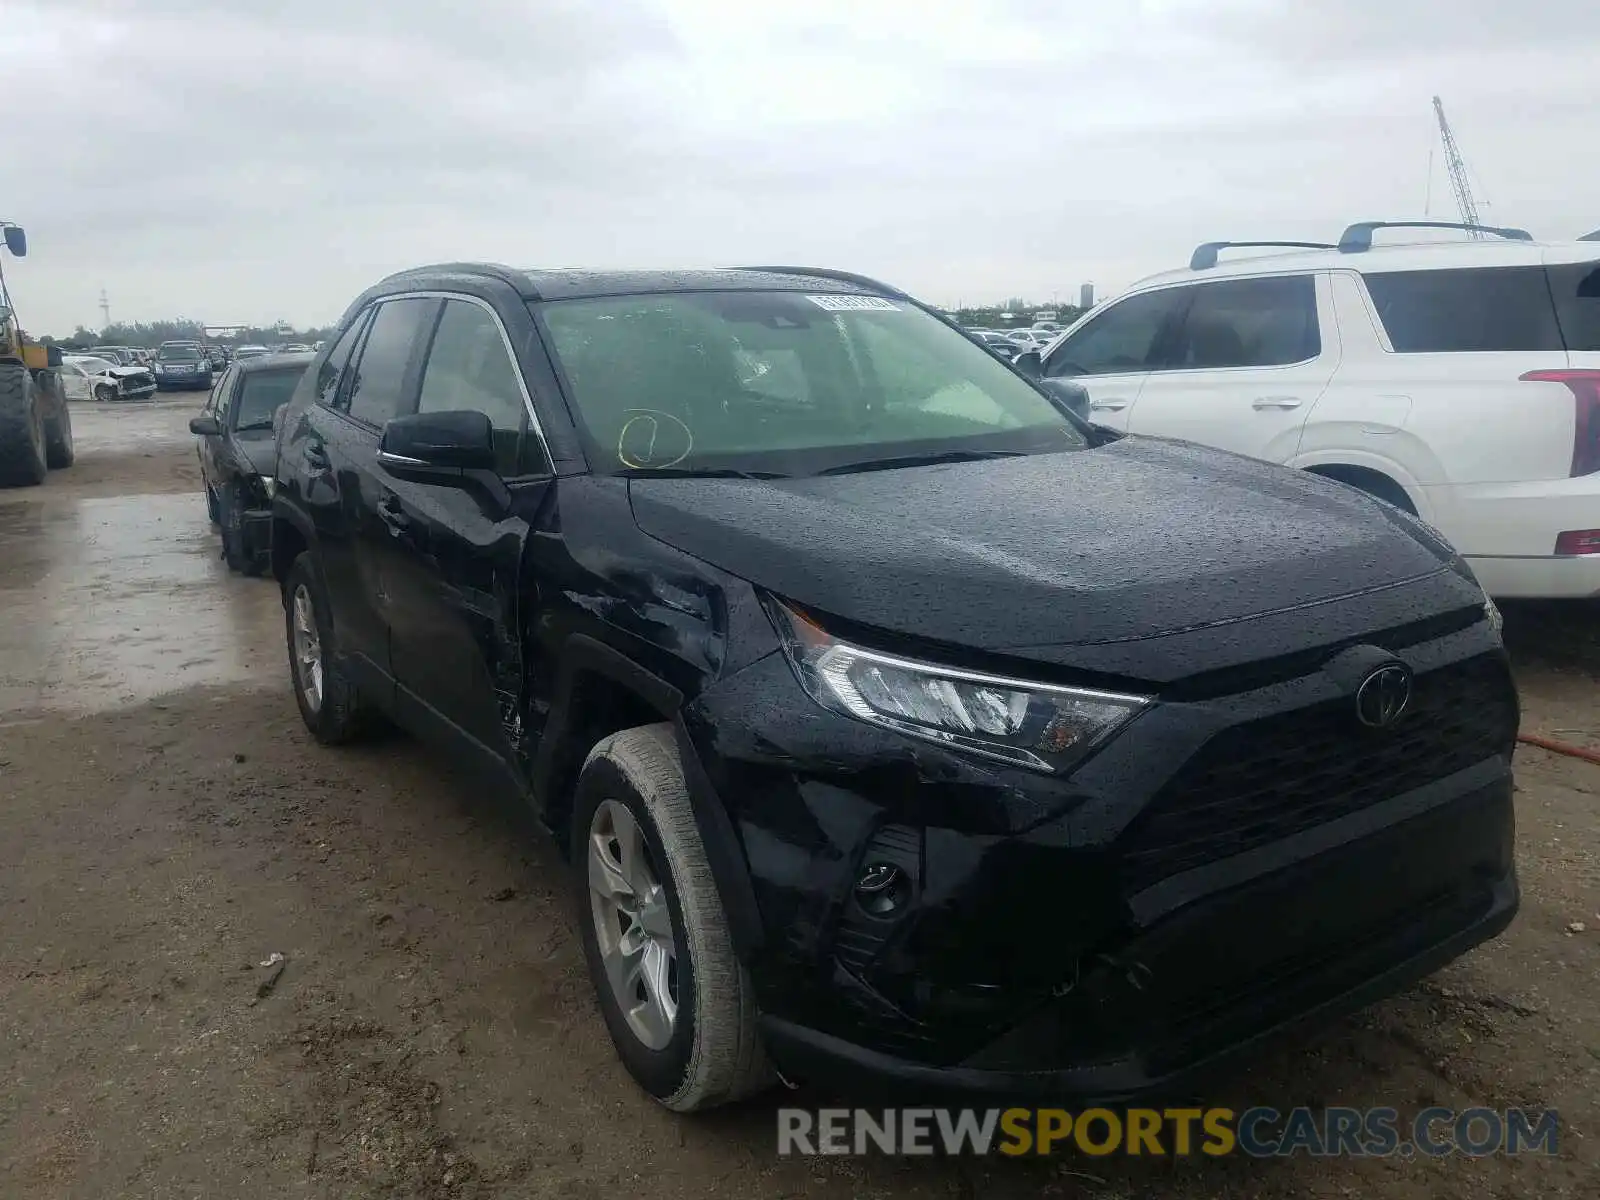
point(166, 826)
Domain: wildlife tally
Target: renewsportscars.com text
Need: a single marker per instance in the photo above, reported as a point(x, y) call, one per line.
point(1255, 1132)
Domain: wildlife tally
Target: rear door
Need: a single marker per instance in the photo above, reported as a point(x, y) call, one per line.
point(381, 385)
point(1457, 343)
point(1111, 353)
point(454, 593)
point(1248, 362)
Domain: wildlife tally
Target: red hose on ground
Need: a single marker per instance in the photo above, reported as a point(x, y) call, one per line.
point(1543, 743)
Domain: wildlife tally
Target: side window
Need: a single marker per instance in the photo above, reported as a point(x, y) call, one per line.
point(332, 371)
point(1123, 338)
point(469, 368)
point(377, 391)
point(1577, 291)
point(1249, 323)
point(221, 394)
point(1483, 309)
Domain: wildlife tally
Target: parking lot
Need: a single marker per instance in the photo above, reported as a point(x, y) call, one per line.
point(167, 825)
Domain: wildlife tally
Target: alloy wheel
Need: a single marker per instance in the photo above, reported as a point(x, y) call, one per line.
point(633, 925)
point(307, 649)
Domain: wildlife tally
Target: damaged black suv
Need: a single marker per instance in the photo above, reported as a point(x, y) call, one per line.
point(902, 728)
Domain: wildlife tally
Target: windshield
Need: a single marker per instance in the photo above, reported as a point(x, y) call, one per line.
point(787, 383)
point(92, 365)
point(262, 393)
point(178, 354)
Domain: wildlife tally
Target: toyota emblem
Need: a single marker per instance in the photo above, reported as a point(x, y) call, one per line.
point(1384, 696)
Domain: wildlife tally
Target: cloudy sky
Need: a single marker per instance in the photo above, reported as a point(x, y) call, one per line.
point(248, 160)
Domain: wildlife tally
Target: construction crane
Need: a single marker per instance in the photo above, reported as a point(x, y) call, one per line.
point(1458, 174)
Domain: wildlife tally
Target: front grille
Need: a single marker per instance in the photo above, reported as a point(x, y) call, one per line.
point(132, 383)
point(1269, 779)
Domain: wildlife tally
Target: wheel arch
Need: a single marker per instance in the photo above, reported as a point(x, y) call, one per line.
point(600, 691)
point(1369, 472)
point(292, 534)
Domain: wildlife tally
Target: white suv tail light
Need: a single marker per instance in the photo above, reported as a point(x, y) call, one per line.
point(1585, 389)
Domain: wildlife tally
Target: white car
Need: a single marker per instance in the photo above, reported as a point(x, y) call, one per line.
point(84, 377)
point(1457, 380)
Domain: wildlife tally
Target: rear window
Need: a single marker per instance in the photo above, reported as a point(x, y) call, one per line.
point(1479, 309)
point(1576, 288)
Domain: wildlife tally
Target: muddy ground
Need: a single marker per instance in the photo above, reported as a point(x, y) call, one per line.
point(166, 825)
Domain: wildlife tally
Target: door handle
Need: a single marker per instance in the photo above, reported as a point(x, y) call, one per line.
point(1112, 405)
point(316, 457)
point(393, 516)
point(1265, 402)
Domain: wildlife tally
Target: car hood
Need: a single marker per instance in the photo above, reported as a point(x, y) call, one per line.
point(1141, 538)
point(124, 372)
point(260, 452)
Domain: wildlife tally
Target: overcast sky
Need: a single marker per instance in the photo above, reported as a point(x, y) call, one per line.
point(246, 160)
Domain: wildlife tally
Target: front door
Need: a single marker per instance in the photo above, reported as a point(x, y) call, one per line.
point(1250, 360)
point(1111, 352)
point(454, 597)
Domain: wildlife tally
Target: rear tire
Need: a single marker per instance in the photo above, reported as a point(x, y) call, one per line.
point(23, 461)
point(713, 1053)
point(59, 450)
point(330, 704)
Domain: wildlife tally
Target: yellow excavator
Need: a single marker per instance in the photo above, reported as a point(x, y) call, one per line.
point(35, 424)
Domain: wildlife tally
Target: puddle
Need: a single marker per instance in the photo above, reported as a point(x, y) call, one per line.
point(114, 601)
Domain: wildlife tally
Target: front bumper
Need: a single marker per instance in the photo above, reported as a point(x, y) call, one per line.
point(255, 529)
point(1048, 943)
point(182, 382)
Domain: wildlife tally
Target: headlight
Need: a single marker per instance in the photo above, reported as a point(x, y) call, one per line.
point(1036, 725)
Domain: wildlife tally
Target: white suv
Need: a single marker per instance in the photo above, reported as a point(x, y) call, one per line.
point(1459, 380)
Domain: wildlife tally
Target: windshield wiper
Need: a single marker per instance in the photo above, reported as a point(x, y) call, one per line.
point(933, 458)
point(697, 473)
point(253, 425)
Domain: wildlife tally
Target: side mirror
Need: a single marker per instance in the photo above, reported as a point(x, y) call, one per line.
point(205, 427)
point(1030, 364)
point(16, 241)
point(437, 445)
point(1071, 394)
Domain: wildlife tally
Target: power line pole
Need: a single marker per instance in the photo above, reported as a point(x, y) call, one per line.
point(105, 310)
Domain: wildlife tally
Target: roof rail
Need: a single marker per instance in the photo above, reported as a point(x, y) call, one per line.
point(517, 279)
point(864, 281)
point(1357, 239)
point(1205, 254)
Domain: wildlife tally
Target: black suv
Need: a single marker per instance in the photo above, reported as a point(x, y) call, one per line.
point(902, 728)
point(238, 454)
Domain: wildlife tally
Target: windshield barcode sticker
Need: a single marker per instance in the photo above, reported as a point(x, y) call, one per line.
point(854, 303)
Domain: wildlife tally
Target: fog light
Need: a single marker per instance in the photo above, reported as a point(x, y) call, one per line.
point(881, 889)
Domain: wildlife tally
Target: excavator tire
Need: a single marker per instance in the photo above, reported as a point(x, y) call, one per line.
point(58, 448)
point(22, 433)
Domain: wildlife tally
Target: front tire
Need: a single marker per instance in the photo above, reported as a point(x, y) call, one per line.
point(678, 1003)
point(329, 703)
point(23, 461)
point(104, 393)
point(231, 510)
